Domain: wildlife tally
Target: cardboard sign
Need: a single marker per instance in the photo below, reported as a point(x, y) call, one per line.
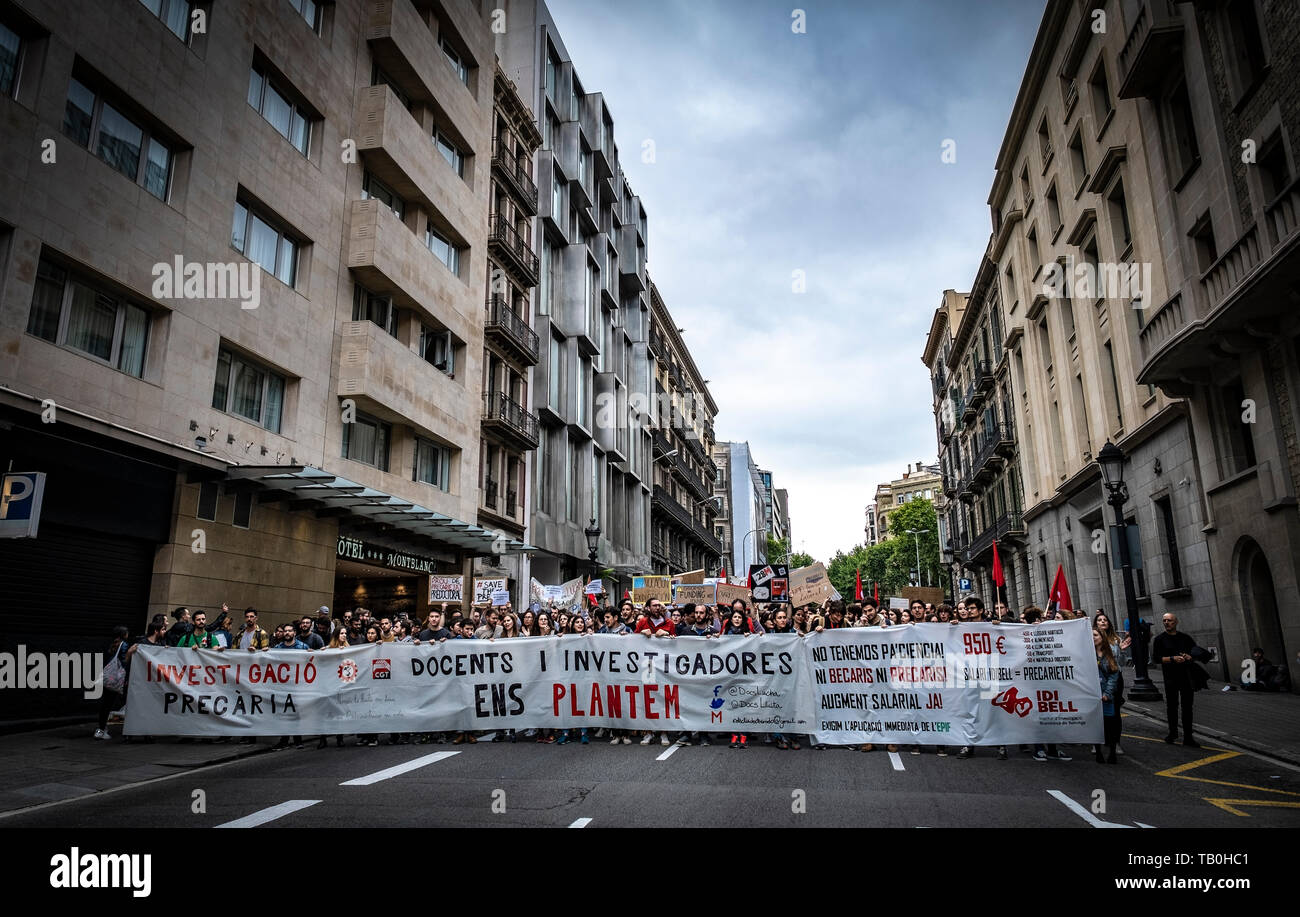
point(728, 594)
point(931, 594)
point(691, 577)
point(446, 589)
point(899, 604)
point(501, 597)
point(645, 588)
point(693, 592)
point(483, 589)
point(810, 584)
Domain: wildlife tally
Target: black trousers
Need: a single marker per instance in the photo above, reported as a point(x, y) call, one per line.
point(1173, 695)
point(1111, 729)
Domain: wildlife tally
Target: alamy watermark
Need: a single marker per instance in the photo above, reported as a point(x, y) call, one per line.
point(179, 279)
point(1094, 280)
point(56, 671)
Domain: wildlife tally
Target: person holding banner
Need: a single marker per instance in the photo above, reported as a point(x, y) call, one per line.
point(1108, 673)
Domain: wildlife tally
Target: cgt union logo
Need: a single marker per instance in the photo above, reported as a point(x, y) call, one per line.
point(348, 671)
point(381, 668)
point(1011, 701)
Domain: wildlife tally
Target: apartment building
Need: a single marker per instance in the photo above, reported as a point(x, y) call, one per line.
point(295, 421)
point(510, 345)
point(747, 528)
point(1215, 87)
point(781, 514)
point(870, 532)
point(593, 384)
point(722, 529)
point(683, 508)
point(1047, 348)
point(917, 482)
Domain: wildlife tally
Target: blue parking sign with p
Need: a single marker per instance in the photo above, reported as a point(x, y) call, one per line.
point(20, 503)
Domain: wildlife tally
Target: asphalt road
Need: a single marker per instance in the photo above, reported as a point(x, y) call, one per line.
point(599, 785)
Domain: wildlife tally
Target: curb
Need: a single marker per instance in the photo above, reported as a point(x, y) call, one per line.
point(1235, 742)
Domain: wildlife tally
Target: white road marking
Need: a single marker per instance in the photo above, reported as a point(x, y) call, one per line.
point(581, 823)
point(271, 814)
point(1083, 812)
point(667, 752)
point(895, 760)
point(399, 769)
point(1140, 825)
point(487, 737)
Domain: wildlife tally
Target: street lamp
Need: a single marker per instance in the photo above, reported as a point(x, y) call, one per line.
point(593, 541)
point(1111, 461)
point(742, 544)
point(916, 534)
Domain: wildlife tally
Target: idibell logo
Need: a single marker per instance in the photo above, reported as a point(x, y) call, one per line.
point(1011, 701)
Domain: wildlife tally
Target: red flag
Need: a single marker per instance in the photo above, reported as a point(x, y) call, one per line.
point(875, 588)
point(722, 572)
point(1060, 597)
point(857, 588)
point(999, 579)
point(627, 594)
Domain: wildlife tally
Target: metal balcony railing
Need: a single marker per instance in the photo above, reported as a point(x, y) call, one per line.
point(505, 321)
point(502, 235)
point(506, 163)
point(498, 408)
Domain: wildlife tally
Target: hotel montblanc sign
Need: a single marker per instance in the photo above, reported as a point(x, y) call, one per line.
point(356, 549)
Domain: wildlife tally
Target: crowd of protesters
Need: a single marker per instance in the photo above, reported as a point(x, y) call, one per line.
point(653, 620)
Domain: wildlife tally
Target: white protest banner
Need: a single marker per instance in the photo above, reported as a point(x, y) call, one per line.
point(899, 604)
point(595, 587)
point(689, 683)
point(936, 684)
point(483, 589)
point(553, 593)
point(446, 589)
point(500, 597)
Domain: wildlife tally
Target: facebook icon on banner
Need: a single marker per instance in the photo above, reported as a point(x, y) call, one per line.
point(20, 504)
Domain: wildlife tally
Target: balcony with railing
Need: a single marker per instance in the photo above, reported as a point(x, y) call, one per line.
point(1009, 527)
point(983, 376)
point(1151, 49)
point(508, 167)
point(997, 445)
point(694, 483)
point(664, 503)
point(506, 328)
point(509, 420)
point(505, 242)
point(970, 405)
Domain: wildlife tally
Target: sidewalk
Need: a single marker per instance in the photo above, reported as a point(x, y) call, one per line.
point(65, 762)
point(1264, 722)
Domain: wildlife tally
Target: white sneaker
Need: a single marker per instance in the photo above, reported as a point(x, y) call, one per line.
point(627, 740)
point(614, 741)
point(663, 739)
point(102, 734)
point(645, 740)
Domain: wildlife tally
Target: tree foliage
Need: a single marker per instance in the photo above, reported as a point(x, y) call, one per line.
point(890, 563)
point(778, 548)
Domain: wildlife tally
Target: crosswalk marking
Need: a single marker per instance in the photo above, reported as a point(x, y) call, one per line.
point(263, 816)
point(399, 769)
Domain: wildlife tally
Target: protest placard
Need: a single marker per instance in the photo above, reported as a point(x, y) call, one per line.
point(645, 588)
point(483, 589)
point(700, 594)
point(810, 584)
point(446, 589)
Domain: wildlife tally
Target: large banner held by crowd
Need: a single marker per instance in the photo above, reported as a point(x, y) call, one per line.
point(926, 684)
point(688, 683)
point(936, 684)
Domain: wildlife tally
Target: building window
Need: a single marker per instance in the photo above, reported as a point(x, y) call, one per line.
point(11, 46)
point(1026, 189)
point(310, 11)
point(443, 249)
point(584, 367)
point(255, 236)
point(366, 440)
point(454, 58)
point(554, 374)
point(71, 311)
point(175, 14)
point(437, 348)
point(242, 517)
point(1035, 258)
point(450, 152)
point(557, 199)
point(1099, 87)
point(1246, 55)
point(131, 149)
point(545, 281)
point(380, 78)
point(552, 76)
point(1114, 405)
point(373, 188)
point(1166, 511)
point(272, 102)
point(248, 390)
point(1053, 210)
point(1274, 172)
point(1078, 162)
point(574, 481)
point(1119, 219)
point(1180, 133)
point(371, 307)
point(1203, 241)
point(432, 464)
point(209, 492)
point(539, 469)
point(1044, 143)
point(1236, 439)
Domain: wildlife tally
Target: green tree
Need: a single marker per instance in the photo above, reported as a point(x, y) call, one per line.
point(843, 568)
point(917, 515)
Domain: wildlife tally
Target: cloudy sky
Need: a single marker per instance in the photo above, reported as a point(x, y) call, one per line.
point(777, 152)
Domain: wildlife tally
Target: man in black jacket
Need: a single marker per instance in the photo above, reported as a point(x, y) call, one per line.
point(181, 628)
point(1174, 653)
